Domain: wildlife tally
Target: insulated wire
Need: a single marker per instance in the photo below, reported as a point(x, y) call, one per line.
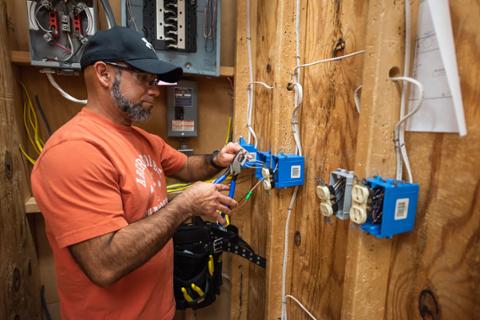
point(327, 60)
point(30, 121)
point(402, 153)
point(301, 306)
point(62, 92)
point(296, 134)
point(399, 127)
point(356, 97)
point(250, 96)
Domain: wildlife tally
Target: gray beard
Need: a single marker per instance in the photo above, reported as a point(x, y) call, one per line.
point(135, 111)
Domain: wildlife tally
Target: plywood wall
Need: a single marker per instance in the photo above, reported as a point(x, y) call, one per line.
point(335, 270)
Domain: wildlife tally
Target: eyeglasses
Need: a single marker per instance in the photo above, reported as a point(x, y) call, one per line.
point(147, 78)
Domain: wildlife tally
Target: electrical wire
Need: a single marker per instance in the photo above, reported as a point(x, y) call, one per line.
point(250, 94)
point(301, 306)
point(131, 16)
point(62, 92)
point(108, 13)
point(32, 128)
point(327, 60)
point(403, 100)
point(356, 97)
point(399, 127)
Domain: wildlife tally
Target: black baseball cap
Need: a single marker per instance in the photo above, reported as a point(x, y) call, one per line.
point(127, 45)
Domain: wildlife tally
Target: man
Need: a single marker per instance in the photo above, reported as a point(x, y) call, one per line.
point(100, 184)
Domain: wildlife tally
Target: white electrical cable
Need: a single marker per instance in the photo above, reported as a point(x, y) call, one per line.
point(301, 306)
point(72, 49)
point(62, 92)
point(403, 101)
point(250, 96)
point(327, 60)
point(399, 127)
point(356, 97)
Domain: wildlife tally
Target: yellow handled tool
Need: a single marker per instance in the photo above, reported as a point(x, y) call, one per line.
point(210, 265)
point(197, 290)
point(186, 295)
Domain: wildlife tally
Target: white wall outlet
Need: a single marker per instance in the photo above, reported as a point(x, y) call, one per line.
point(358, 214)
point(323, 193)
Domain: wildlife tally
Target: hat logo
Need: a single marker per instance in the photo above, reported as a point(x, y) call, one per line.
point(148, 44)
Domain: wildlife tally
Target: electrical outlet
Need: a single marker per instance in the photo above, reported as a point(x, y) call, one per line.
point(360, 194)
point(358, 214)
point(323, 193)
point(326, 209)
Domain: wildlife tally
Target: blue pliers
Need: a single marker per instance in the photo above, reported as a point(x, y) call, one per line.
point(233, 170)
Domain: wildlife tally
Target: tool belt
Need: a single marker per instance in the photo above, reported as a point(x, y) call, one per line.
point(198, 248)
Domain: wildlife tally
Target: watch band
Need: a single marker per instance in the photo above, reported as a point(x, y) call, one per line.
point(212, 156)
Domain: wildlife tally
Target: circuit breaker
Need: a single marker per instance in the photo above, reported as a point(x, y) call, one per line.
point(182, 111)
point(183, 32)
point(58, 31)
point(171, 24)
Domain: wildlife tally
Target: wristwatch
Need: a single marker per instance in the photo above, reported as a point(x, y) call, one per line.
point(212, 156)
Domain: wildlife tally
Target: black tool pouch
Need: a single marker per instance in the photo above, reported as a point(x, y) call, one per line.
point(198, 248)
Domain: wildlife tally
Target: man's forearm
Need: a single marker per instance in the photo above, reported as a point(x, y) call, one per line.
point(199, 167)
point(108, 258)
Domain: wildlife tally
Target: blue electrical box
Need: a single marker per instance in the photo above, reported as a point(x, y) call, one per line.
point(252, 151)
point(288, 170)
point(398, 209)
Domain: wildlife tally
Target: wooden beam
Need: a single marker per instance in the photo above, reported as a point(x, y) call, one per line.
point(275, 56)
point(240, 273)
point(369, 259)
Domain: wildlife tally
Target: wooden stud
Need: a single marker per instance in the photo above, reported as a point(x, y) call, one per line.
point(369, 258)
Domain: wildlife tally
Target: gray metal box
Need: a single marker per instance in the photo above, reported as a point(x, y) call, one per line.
point(182, 111)
point(60, 47)
point(206, 58)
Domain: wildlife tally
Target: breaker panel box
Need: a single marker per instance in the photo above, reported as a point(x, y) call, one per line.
point(183, 32)
point(182, 114)
point(59, 30)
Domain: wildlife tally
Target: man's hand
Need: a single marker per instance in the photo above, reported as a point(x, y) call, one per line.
point(205, 199)
point(225, 157)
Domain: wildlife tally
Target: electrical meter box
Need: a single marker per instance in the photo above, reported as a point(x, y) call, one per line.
point(183, 32)
point(58, 31)
point(182, 112)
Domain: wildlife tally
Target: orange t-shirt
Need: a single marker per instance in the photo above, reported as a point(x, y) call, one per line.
point(95, 177)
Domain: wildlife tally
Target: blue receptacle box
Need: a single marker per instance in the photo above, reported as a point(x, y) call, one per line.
point(289, 170)
point(399, 207)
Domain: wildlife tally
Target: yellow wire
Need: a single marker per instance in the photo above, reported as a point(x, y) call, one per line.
point(33, 130)
point(229, 127)
point(32, 161)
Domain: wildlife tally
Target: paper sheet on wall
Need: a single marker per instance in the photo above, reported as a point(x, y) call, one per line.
point(436, 68)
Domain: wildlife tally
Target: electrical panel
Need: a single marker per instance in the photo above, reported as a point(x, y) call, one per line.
point(183, 32)
point(385, 207)
point(182, 111)
point(59, 30)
